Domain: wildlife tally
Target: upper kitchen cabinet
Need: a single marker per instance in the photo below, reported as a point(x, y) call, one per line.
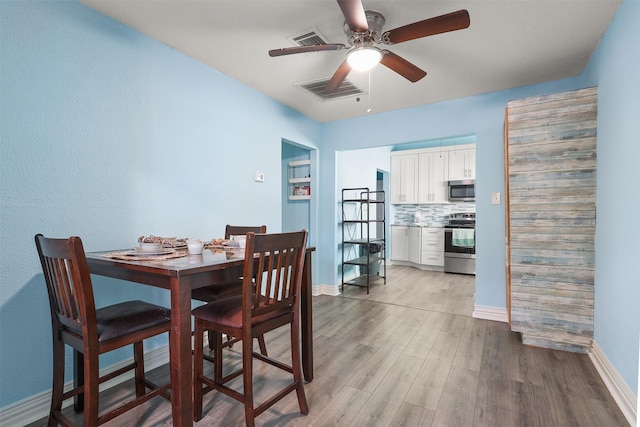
point(462, 162)
point(421, 176)
point(404, 178)
point(433, 173)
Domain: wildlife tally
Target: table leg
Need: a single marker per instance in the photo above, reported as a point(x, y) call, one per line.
point(306, 319)
point(180, 353)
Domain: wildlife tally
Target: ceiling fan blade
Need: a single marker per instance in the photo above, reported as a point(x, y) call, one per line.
point(353, 12)
point(440, 24)
point(338, 77)
point(401, 66)
point(305, 49)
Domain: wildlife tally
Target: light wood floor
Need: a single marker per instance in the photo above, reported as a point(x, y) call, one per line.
point(410, 354)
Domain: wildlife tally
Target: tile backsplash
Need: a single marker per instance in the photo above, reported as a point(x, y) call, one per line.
point(429, 215)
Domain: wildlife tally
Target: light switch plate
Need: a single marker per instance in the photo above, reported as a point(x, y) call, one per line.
point(258, 176)
point(495, 198)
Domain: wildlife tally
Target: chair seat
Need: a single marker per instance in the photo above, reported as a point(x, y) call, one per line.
point(129, 317)
point(228, 312)
point(218, 291)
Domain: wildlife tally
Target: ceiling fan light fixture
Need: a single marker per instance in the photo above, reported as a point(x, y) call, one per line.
point(364, 58)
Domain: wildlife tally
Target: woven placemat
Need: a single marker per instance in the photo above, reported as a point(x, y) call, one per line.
point(126, 255)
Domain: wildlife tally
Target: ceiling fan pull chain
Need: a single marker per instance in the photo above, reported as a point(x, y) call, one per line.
point(369, 109)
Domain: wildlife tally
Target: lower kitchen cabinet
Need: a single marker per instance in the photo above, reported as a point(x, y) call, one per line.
point(432, 246)
point(399, 243)
point(421, 247)
point(415, 244)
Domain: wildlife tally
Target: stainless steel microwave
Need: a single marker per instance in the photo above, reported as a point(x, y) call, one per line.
point(462, 191)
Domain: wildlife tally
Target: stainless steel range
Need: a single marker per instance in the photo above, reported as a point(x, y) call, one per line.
point(460, 244)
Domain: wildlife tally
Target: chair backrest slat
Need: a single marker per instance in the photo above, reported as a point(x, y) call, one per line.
point(273, 271)
point(66, 274)
point(242, 230)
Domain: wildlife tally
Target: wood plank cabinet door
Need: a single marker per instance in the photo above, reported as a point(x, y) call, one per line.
point(551, 155)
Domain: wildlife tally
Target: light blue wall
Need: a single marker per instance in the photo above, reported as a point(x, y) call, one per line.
point(615, 69)
point(108, 134)
point(480, 115)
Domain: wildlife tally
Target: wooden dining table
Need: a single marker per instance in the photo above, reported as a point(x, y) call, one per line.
point(180, 276)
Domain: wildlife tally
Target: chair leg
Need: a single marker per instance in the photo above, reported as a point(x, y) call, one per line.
point(297, 367)
point(198, 369)
point(247, 378)
point(211, 338)
point(138, 357)
point(217, 356)
point(58, 380)
point(263, 346)
point(91, 383)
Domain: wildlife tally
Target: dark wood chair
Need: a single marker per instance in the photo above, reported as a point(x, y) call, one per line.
point(91, 332)
point(230, 288)
point(270, 299)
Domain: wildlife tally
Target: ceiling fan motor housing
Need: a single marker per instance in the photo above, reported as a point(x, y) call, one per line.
point(375, 21)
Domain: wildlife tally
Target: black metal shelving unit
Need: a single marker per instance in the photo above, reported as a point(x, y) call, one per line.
point(363, 249)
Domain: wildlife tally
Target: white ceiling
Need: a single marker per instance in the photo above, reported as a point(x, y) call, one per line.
point(509, 43)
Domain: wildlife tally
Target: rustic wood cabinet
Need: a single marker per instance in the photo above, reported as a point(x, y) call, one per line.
point(551, 181)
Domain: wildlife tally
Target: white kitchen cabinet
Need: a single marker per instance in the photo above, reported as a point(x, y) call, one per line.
point(415, 244)
point(433, 172)
point(421, 176)
point(432, 247)
point(399, 243)
point(462, 164)
point(404, 178)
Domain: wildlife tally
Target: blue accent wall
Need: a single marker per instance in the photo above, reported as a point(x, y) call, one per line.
point(108, 134)
point(615, 69)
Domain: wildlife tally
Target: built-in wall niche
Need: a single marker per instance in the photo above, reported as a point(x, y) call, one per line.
point(299, 179)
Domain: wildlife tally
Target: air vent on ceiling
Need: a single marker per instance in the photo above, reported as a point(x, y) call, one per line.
point(308, 38)
point(319, 89)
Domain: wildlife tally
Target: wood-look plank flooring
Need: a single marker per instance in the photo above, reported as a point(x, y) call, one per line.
point(410, 354)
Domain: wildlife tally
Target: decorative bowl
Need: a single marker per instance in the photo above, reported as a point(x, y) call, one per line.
point(150, 247)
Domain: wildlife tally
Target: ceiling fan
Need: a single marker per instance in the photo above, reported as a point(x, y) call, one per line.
point(364, 32)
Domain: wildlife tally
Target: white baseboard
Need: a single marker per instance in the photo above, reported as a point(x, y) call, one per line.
point(620, 391)
point(36, 407)
point(333, 290)
point(490, 313)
